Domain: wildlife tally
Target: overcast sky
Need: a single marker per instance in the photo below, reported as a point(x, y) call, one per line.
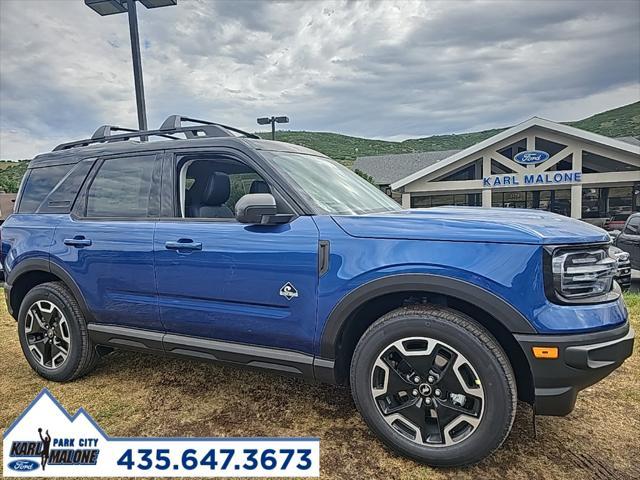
point(380, 69)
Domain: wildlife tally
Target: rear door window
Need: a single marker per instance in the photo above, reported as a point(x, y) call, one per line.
point(124, 187)
point(40, 182)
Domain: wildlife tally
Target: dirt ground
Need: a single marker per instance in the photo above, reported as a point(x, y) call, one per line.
point(137, 395)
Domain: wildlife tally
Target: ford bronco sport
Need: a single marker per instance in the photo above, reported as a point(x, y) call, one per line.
point(222, 246)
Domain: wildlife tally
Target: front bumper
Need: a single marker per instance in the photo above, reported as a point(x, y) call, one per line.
point(583, 360)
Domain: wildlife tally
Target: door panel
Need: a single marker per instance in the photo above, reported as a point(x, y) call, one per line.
point(228, 288)
point(106, 245)
point(115, 272)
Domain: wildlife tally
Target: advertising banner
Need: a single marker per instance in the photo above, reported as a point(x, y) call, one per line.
point(46, 441)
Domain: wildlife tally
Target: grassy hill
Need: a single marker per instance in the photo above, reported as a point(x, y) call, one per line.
point(623, 121)
point(10, 174)
point(619, 122)
point(340, 147)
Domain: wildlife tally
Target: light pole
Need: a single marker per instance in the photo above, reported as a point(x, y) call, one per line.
point(111, 7)
point(272, 121)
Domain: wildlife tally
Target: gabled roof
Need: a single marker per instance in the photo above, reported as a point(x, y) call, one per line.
point(386, 169)
point(532, 122)
point(631, 140)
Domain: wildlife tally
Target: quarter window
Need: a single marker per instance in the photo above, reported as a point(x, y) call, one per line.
point(63, 195)
point(121, 188)
point(39, 184)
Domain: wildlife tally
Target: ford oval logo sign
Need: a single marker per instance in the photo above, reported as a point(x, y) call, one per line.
point(23, 465)
point(531, 157)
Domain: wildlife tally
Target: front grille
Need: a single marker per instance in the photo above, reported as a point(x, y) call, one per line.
point(623, 276)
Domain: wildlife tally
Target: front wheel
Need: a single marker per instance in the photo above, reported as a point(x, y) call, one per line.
point(434, 385)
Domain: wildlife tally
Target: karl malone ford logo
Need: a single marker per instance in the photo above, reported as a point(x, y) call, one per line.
point(46, 438)
point(46, 441)
point(531, 157)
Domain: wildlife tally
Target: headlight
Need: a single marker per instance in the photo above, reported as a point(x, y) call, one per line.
point(583, 273)
point(618, 254)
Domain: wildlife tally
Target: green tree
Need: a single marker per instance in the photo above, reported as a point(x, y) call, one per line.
point(368, 178)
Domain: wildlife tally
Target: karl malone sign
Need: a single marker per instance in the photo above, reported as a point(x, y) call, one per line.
point(46, 441)
point(532, 179)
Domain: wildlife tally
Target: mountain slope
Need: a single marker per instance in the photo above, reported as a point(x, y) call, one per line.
point(619, 122)
point(622, 121)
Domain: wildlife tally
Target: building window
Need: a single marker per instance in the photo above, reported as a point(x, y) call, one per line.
point(460, 200)
point(620, 200)
point(592, 205)
point(557, 201)
point(548, 146)
point(509, 199)
point(468, 173)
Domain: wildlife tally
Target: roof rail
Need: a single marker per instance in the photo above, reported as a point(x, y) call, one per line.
point(171, 126)
point(174, 122)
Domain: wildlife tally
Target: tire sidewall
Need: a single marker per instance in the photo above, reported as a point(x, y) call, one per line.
point(68, 369)
point(498, 402)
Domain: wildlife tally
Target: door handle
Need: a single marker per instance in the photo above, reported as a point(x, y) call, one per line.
point(77, 241)
point(183, 244)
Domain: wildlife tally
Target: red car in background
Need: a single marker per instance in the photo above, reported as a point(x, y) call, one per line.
point(616, 222)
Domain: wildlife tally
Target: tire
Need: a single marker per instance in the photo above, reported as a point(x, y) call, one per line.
point(60, 314)
point(379, 369)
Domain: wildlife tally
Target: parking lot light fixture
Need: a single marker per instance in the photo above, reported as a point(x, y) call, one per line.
point(272, 121)
point(112, 7)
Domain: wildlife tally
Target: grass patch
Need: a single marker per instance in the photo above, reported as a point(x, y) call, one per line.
point(140, 395)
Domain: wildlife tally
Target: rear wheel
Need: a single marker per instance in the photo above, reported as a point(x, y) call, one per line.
point(434, 385)
point(53, 333)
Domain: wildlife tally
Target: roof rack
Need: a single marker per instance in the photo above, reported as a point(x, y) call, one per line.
point(171, 126)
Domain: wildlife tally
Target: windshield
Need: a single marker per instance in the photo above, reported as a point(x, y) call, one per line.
point(329, 186)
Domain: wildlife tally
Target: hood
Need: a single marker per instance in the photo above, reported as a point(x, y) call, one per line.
point(473, 224)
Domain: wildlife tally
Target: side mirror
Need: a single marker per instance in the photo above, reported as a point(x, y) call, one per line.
point(259, 209)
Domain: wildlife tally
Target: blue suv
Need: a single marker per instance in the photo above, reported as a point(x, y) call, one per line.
point(213, 244)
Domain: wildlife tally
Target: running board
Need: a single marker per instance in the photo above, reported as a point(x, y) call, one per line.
point(286, 362)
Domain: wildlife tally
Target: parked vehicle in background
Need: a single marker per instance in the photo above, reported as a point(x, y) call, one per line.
point(614, 234)
point(629, 239)
point(616, 222)
point(226, 247)
point(623, 275)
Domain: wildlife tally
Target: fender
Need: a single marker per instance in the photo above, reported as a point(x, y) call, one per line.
point(44, 265)
point(502, 311)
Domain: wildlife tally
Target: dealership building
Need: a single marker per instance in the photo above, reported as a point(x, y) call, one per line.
point(537, 164)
